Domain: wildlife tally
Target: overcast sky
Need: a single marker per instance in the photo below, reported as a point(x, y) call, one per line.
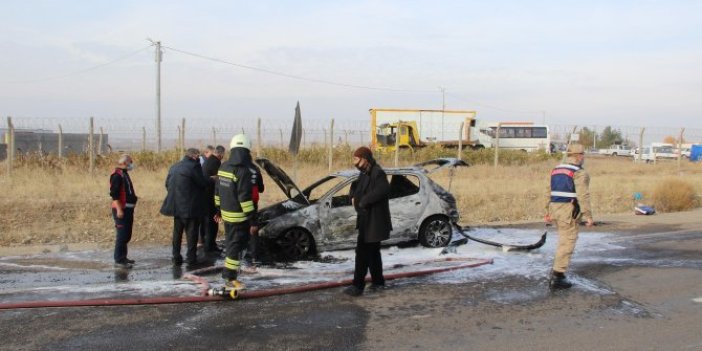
point(628, 63)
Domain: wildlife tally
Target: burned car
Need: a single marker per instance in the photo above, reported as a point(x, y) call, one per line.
point(321, 217)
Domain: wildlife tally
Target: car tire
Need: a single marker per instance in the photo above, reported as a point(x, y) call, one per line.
point(296, 244)
point(435, 231)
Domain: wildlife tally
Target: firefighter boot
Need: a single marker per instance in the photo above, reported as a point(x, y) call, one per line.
point(559, 281)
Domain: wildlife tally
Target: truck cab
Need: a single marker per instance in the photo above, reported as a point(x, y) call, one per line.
point(388, 138)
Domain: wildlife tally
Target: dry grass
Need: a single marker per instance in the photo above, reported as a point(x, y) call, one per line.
point(673, 195)
point(62, 203)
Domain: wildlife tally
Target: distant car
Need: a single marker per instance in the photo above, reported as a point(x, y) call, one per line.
point(321, 216)
point(615, 150)
point(686, 152)
point(659, 152)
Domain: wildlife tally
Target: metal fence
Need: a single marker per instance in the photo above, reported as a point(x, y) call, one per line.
point(134, 134)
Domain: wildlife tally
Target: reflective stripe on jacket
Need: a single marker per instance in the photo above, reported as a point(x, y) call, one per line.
point(236, 191)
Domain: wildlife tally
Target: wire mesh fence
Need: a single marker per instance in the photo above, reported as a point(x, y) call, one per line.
point(136, 134)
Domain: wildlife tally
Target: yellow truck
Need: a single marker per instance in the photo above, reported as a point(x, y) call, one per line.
point(413, 129)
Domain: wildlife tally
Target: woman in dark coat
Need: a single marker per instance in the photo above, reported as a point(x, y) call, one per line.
point(370, 195)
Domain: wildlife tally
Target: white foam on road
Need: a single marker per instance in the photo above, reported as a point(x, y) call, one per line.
point(533, 265)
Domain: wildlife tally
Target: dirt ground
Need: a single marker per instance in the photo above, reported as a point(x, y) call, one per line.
point(650, 300)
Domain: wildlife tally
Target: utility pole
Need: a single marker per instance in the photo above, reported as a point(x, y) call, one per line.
point(158, 58)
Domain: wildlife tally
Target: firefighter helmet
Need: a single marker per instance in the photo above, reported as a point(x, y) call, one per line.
point(240, 140)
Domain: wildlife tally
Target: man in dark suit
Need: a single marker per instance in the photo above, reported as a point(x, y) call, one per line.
point(370, 197)
point(185, 202)
point(209, 227)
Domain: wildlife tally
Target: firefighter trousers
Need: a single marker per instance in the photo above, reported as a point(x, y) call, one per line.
point(237, 239)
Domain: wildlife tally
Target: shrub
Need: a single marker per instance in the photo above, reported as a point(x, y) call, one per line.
point(673, 195)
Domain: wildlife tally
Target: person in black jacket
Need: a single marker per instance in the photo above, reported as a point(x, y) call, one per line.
point(185, 202)
point(370, 197)
point(209, 227)
point(124, 200)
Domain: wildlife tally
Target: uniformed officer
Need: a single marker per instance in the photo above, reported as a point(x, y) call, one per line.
point(569, 202)
point(236, 196)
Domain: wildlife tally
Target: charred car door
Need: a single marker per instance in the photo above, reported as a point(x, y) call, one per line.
point(338, 217)
point(407, 203)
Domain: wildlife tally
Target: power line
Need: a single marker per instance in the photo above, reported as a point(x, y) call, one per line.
point(291, 76)
point(79, 71)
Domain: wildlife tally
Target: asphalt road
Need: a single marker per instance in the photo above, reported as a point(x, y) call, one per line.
point(651, 299)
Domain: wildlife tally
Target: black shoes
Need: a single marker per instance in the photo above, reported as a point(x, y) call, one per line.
point(123, 265)
point(130, 261)
point(559, 281)
point(376, 288)
point(353, 291)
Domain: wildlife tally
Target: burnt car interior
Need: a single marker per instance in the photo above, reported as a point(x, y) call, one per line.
point(400, 186)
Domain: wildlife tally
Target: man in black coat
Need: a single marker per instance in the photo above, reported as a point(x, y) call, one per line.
point(209, 227)
point(185, 202)
point(370, 197)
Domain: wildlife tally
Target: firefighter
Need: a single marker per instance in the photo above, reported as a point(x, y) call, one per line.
point(124, 200)
point(236, 196)
point(569, 202)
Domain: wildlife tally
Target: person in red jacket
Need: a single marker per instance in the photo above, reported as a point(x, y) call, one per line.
point(124, 200)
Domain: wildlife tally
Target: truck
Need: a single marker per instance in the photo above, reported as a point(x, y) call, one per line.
point(411, 129)
point(615, 150)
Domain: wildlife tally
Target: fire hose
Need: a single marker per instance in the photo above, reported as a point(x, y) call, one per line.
point(245, 294)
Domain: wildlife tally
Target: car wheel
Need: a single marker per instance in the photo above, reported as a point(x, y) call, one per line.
point(435, 232)
point(296, 244)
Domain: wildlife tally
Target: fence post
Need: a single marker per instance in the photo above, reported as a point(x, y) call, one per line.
point(304, 135)
point(178, 143)
point(324, 130)
point(91, 146)
point(10, 145)
point(331, 145)
point(60, 142)
point(100, 139)
point(258, 137)
point(214, 136)
point(397, 144)
point(282, 144)
point(639, 156)
point(182, 131)
point(143, 139)
point(460, 141)
point(570, 137)
point(497, 144)
point(346, 137)
point(680, 140)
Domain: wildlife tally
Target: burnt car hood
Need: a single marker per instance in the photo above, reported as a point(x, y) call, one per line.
point(441, 163)
point(281, 178)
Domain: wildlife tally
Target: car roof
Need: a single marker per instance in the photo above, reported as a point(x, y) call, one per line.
point(348, 173)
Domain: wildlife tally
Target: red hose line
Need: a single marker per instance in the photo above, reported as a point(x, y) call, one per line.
point(252, 294)
point(246, 294)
